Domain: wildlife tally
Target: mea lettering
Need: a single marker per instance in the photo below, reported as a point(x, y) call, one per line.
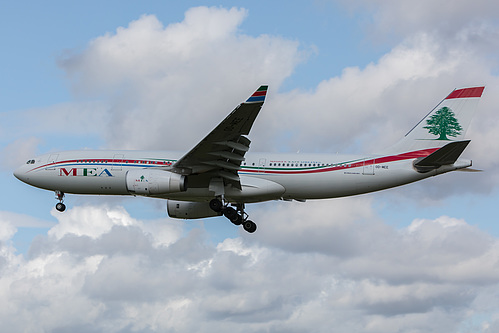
point(84, 172)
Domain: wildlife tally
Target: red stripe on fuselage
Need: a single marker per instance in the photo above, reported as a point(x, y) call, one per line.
point(104, 161)
point(380, 160)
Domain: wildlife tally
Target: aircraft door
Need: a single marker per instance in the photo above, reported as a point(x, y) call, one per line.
point(261, 164)
point(117, 162)
point(51, 162)
point(368, 168)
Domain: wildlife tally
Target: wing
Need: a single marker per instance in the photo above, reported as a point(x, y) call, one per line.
point(221, 152)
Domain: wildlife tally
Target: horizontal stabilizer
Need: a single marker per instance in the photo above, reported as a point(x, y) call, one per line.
point(469, 170)
point(448, 154)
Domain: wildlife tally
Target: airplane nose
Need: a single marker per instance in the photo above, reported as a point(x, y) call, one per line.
point(20, 173)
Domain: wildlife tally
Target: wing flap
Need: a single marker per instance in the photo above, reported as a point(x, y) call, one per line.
point(241, 146)
point(223, 164)
point(228, 155)
point(230, 176)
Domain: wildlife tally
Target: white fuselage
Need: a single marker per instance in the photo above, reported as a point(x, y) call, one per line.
point(219, 173)
point(265, 176)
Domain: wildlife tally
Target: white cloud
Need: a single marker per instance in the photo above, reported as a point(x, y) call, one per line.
point(7, 230)
point(327, 226)
point(433, 275)
point(87, 221)
point(18, 152)
point(23, 220)
point(82, 118)
point(405, 17)
point(96, 221)
point(166, 83)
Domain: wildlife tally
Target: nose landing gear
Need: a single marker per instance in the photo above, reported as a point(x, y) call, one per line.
point(60, 206)
point(238, 217)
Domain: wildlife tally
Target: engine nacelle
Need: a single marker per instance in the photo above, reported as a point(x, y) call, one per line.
point(154, 182)
point(189, 210)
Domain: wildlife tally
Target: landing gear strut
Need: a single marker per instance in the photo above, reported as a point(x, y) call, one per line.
point(237, 216)
point(60, 206)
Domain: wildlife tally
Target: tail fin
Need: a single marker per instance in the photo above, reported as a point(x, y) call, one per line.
point(447, 122)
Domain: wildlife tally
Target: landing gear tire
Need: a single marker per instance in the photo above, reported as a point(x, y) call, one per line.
point(238, 220)
point(216, 205)
point(231, 214)
point(236, 216)
point(59, 195)
point(60, 207)
point(249, 226)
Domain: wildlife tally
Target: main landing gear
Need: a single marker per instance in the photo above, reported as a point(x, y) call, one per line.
point(237, 216)
point(60, 206)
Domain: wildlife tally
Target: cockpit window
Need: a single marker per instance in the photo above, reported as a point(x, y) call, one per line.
point(31, 162)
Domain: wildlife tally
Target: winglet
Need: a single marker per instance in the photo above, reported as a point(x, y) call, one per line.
point(259, 95)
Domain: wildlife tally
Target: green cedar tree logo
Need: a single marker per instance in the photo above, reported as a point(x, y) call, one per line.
point(444, 123)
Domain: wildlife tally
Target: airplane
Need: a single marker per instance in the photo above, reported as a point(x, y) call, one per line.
point(219, 176)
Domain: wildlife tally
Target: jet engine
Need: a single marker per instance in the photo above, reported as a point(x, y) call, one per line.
point(189, 209)
point(154, 182)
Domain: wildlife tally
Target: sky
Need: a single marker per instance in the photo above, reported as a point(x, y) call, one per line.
point(343, 76)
